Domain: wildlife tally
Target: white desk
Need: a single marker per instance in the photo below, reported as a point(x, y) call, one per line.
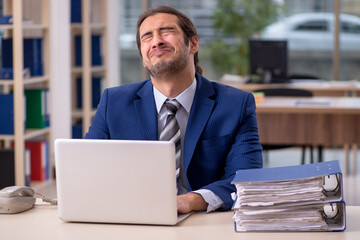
point(42, 223)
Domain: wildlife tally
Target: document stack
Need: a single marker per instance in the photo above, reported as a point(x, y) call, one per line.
point(296, 198)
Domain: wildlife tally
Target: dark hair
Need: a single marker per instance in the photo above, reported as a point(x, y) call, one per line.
point(185, 23)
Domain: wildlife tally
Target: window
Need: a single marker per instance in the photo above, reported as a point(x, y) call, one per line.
point(348, 27)
point(316, 26)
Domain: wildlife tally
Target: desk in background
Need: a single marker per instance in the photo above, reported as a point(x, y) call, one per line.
point(42, 223)
point(316, 121)
point(322, 88)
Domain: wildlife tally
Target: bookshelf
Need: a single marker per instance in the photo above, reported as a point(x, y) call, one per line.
point(39, 25)
point(59, 72)
point(95, 21)
point(101, 18)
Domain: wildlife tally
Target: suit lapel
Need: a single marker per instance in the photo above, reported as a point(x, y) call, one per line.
point(146, 112)
point(200, 112)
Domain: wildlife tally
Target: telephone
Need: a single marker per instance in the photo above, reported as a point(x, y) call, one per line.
point(16, 199)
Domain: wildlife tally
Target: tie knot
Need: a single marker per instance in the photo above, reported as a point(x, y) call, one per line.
point(172, 106)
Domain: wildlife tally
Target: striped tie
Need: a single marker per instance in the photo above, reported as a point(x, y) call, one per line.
point(171, 131)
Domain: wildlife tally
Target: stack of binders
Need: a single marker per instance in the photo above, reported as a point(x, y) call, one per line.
point(296, 198)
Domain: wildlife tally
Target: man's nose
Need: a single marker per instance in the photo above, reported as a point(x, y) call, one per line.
point(157, 41)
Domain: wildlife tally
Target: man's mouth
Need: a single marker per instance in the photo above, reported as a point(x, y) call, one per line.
point(160, 51)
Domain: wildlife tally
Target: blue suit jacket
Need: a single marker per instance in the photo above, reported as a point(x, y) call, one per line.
point(221, 135)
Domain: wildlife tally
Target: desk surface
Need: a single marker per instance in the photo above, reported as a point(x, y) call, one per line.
point(322, 88)
point(42, 222)
point(338, 105)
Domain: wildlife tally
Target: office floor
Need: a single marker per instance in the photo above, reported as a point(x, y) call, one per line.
point(277, 158)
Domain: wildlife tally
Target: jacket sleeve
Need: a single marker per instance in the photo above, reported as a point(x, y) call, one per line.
point(245, 152)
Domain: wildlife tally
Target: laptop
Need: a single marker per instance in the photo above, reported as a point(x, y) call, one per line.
point(116, 181)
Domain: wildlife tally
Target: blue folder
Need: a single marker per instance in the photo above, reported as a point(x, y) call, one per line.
point(287, 173)
point(96, 58)
point(6, 19)
point(32, 55)
point(75, 11)
point(96, 92)
point(7, 114)
point(333, 197)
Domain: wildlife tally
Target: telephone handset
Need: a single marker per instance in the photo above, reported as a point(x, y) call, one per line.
point(16, 199)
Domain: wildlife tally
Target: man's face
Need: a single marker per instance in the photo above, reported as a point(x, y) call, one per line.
point(162, 44)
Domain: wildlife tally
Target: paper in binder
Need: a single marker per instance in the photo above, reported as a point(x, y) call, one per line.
point(296, 198)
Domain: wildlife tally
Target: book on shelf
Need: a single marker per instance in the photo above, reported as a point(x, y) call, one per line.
point(6, 19)
point(9, 20)
point(294, 198)
point(7, 114)
point(39, 159)
point(7, 168)
point(97, 89)
point(77, 130)
point(27, 167)
point(33, 58)
point(96, 58)
point(8, 73)
point(75, 16)
point(37, 111)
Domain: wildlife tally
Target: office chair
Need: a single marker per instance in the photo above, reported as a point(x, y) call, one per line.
point(303, 76)
point(290, 92)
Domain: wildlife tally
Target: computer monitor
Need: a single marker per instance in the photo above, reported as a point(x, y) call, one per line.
point(268, 60)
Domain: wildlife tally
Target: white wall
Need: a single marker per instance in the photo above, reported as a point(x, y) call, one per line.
point(60, 77)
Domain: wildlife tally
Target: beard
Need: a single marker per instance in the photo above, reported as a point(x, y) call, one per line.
point(168, 68)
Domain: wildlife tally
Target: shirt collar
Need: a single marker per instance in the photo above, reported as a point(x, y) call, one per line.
point(185, 98)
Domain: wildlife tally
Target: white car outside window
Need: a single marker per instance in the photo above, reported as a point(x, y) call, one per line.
point(315, 32)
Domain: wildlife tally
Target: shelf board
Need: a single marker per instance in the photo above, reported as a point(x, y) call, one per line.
point(25, 26)
point(26, 81)
point(33, 133)
point(29, 134)
point(95, 69)
point(93, 26)
point(6, 26)
point(35, 26)
point(33, 80)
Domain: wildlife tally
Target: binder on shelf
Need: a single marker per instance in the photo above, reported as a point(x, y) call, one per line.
point(96, 59)
point(77, 130)
point(37, 115)
point(47, 162)
point(8, 73)
point(27, 167)
point(7, 114)
point(295, 198)
point(32, 55)
point(6, 19)
point(75, 11)
point(97, 88)
point(7, 168)
point(39, 160)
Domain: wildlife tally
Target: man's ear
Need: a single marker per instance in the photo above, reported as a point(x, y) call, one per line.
point(194, 44)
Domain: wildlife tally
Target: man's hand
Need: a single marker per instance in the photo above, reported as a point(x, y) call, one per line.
point(191, 202)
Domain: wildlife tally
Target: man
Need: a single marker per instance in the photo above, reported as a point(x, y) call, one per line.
point(218, 127)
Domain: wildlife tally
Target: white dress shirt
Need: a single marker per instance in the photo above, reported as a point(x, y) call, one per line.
point(182, 115)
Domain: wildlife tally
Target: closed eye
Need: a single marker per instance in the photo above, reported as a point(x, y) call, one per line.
point(166, 29)
point(146, 36)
